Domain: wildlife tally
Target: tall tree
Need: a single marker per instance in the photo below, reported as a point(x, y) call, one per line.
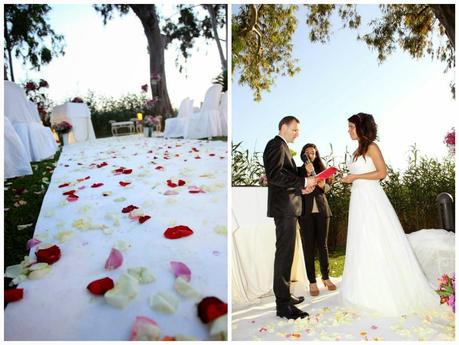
point(187, 29)
point(410, 27)
point(28, 36)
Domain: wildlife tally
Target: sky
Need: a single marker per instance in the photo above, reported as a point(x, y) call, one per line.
point(410, 99)
point(112, 59)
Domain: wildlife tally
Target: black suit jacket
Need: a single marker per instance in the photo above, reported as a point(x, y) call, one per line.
point(308, 199)
point(284, 184)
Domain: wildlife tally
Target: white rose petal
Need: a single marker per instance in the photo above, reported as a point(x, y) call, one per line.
point(218, 330)
point(142, 274)
point(185, 289)
point(38, 274)
point(164, 302)
point(126, 289)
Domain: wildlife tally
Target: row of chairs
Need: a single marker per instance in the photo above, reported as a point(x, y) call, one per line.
point(210, 121)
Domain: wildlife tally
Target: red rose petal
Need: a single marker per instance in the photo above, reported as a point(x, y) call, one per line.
point(129, 208)
point(69, 192)
point(143, 219)
point(127, 171)
point(49, 255)
point(64, 185)
point(211, 154)
point(181, 182)
point(72, 198)
point(101, 286)
point(178, 232)
point(97, 185)
point(103, 164)
point(159, 167)
point(124, 184)
point(13, 295)
point(211, 308)
point(197, 157)
point(195, 149)
point(171, 184)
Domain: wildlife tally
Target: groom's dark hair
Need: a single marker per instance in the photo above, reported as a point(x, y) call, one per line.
point(287, 120)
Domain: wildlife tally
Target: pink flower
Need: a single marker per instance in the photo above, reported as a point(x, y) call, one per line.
point(115, 260)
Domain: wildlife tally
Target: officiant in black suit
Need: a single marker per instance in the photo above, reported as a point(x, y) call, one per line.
point(285, 188)
point(315, 219)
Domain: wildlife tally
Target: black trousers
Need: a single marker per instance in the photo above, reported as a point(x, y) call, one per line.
point(314, 234)
point(283, 259)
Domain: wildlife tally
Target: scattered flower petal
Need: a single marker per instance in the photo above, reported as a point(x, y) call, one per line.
point(143, 219)
point(126, 289)
point(49, 255)
point(124, 184)
point(32, 243)
point(101, 286)
point(170, 192)
point(142, 274)
point(211, 308)
point(145, 329)
point(219, 329)
point(129, 209)
point(164, 302)
point(114, 260)
point(181, 270)
point(13, 295)
point(178, 232)
point(39, 273)
point(185, 289)
point(97, 185)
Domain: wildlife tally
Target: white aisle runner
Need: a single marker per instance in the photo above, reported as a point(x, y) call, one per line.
point(331, 322)
point(58, 306)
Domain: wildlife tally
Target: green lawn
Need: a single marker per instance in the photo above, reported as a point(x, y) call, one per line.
point(23, 198)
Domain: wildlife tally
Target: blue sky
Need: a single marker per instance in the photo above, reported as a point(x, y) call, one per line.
point(410, 99)
point(112, 59)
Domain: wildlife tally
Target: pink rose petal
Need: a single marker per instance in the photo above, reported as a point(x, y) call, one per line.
point(32, 242)
point(195, 189)
point(72, 198)
point(139, 329)
point(115, 260)
point(170, 192)
point(181, 270)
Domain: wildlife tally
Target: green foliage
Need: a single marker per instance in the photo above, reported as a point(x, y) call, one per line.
point(246, 168)
point(18, 213)
point(222, 79)
point(262, 36)
point(262, 45)
point(29, 36)
point(105, 109)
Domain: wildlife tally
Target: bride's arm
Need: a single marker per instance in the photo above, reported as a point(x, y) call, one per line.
point(380, 165)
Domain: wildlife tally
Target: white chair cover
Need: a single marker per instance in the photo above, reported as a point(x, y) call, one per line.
point(38, 140)
point(206, 123)
point(224, 114)
point(79, 116)
point(175, 127)
point(16, 158)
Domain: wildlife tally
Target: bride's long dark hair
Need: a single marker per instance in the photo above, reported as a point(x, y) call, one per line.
point(366, 129)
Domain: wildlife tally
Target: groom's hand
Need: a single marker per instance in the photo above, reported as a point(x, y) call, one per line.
point(307, 190)
point(311, 181)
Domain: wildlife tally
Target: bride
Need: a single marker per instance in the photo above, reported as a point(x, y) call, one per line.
point(381, 272)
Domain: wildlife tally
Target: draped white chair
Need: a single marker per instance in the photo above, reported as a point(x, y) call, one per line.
point(79, 116)
point(224, 114)
point(206, 123)
point(16, 159)
point(37, 139)
point(175, 127)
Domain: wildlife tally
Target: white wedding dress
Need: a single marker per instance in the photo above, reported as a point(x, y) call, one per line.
point(381, 271)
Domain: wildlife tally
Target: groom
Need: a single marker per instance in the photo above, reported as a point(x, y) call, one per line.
point(284, 204)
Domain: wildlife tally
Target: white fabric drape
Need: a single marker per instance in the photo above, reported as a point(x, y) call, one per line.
point(175, 127)
point(253, 247)
point(206, 123)
point(79, 116)
point(16, 158)
point(38, 140)
point(224, 114)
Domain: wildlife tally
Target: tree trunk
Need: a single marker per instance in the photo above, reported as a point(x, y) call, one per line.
point(446, 15)
point(213, 20)
point(8, 48)
point(156, 46)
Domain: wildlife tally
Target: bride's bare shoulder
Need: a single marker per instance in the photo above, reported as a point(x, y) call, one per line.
point(374, 151)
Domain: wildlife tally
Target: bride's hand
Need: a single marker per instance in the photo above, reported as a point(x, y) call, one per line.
point(348, 179)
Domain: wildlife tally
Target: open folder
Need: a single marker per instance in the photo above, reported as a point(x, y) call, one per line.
point(326, 173)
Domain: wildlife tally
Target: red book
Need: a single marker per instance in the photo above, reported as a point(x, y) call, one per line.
point(326, 173)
